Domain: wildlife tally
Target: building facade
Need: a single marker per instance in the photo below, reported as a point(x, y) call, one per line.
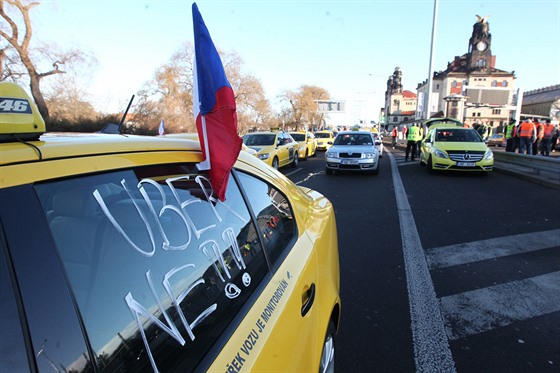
point(400, 105)
point(542, 102)
point(489, 91)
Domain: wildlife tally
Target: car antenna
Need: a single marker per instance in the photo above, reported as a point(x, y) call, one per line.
point(112, 128)
point(125, 112)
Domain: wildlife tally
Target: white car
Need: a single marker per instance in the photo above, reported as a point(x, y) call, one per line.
point(378, 142)
point(353, 151)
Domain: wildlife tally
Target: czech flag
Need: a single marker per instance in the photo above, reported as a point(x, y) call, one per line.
point(214, 110)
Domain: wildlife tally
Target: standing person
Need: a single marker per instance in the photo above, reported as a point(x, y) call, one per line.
point(420, 138)
point(412, 137)
point(548, 130)
point(404, 131)
point(540, 134)
point(510, 136)
point(527, 135)
point(394, 134)
point(555, 133)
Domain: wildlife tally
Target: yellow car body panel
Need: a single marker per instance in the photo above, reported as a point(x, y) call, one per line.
point(307, 146)
point(455, 153)
point(325, 139)
point(273, 334)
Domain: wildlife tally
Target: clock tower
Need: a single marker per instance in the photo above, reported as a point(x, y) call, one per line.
point(479, 56)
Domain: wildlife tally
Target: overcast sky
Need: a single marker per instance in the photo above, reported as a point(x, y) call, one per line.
point(347, 47)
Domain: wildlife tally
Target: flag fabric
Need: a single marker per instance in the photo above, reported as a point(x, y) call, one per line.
point(161, 129)
point(214, 109)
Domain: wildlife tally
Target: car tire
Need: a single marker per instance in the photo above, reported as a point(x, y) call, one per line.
point(275, 163)
point(296, 160)
point(326, 364)
point(305, 156)
point(430, 165)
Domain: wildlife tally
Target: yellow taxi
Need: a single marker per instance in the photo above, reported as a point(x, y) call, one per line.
point(307, 143)
point(325, 139)
point(454, 148)
point(116, 256)
point(277, 149)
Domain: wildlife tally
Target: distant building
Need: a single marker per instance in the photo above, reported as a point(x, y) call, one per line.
point(489, 91)
point(400, 105)
point(542, 102)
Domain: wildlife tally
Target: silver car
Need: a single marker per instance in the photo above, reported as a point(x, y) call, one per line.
point(353, 151)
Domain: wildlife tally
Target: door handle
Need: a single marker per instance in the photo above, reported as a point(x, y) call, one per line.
point(307, 299)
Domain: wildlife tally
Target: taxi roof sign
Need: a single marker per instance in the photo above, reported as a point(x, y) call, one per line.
point(19, 117)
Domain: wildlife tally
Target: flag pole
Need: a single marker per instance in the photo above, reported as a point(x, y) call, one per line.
point(204, 165)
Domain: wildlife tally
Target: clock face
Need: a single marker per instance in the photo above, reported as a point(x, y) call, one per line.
point(481, 46)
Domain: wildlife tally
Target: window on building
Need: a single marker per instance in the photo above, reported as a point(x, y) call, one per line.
point(504, 83)
point(496, 111)
point(477, 114)
point(494, 83)
point(454, 84)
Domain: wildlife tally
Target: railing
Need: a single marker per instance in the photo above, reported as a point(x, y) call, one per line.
point(534, 163)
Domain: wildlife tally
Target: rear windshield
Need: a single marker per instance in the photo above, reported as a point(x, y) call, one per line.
point(298, 136)
point(323, 135)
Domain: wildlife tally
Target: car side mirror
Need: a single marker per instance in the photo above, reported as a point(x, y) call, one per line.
point(329, 142)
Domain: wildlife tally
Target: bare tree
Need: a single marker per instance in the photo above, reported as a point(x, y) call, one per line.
point(303, 106)
point(16, 29)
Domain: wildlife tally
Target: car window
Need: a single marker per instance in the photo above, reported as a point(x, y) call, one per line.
point(259, 139)
point(158, 267)
point(298, 136)
point(12, 345)
point(457, 135)
point(274, 215)
point(322, 135)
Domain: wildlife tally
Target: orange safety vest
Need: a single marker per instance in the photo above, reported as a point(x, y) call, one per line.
point(548, 129)
point(540, 131)
point(394, 132)
point(527, 129)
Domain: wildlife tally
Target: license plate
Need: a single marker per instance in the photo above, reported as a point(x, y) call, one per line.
point(349, 161)
point(466, 164)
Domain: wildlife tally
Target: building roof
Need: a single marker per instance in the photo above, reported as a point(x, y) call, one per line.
point(408, 94)
point(541, 95)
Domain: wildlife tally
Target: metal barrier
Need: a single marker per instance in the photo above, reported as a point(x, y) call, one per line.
point(534, 163)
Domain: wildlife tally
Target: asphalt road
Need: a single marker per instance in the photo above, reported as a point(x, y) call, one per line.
point(443, 273)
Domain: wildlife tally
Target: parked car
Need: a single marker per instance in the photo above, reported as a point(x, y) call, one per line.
point(497, 139)
point(307, 143)
point(325, 139)
point(353, 151)
point(116, 256)
point(455, 148)
point(277, 149)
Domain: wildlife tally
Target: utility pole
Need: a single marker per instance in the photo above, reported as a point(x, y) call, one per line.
point(432, 53)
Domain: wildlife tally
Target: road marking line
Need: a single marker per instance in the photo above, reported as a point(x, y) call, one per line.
point(481, 310)
point(431, 346)
point(448, 256)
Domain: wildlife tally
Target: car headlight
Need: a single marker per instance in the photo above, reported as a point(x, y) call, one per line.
point(369, 155)
point(440, 154)
point(488, 155)
point(332, 155)
point(263, 156)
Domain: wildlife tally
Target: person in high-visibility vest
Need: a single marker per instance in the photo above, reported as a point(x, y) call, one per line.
point(511, 136)
point(413, 137)
point(394, 134)
point(539, 127)
point(548, 130)
point(527, 135)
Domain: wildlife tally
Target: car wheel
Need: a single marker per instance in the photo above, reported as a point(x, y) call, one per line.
point(275, 163)
point(430, 165)
point(305, 156)
point(296, 160)
point(327, 356)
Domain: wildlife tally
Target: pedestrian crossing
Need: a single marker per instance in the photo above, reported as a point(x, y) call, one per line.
point(480, 310)
point(399, 157)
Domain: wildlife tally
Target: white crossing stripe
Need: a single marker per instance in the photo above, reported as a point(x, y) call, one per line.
point(481, 310)
point(447, 256)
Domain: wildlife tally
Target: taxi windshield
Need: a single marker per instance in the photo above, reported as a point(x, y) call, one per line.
point(259, 139)
point(457, 135)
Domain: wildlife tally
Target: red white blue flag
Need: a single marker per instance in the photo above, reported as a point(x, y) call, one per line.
point(214, 109)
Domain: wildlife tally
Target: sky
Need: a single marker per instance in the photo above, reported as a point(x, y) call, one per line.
point(348, 47)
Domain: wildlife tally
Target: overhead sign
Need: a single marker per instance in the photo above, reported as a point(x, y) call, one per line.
point(327, 106)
